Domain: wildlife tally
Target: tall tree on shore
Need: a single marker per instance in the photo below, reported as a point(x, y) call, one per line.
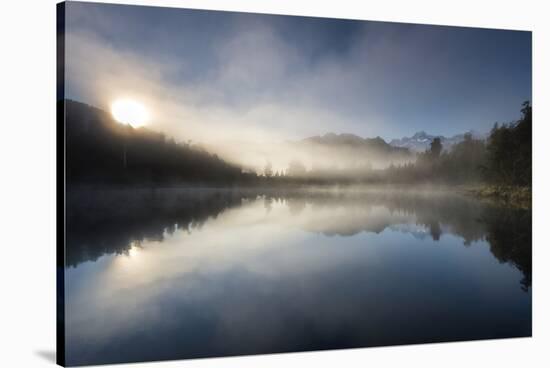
point(435, 148)
point(509, 151)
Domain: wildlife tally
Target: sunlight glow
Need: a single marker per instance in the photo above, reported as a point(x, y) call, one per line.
point(130, 112)
point(133, 252)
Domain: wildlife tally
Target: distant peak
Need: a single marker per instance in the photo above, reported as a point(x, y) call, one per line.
point(330, 135)
point(420, 134)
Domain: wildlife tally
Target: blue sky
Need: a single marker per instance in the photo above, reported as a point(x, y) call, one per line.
point(202, 72)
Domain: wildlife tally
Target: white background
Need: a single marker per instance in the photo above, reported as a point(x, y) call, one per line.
point(27, 179)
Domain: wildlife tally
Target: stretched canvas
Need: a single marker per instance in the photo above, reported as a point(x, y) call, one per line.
point(235, 183)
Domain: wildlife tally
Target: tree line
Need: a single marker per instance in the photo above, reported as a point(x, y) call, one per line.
point(504, 158)
point(101, 151)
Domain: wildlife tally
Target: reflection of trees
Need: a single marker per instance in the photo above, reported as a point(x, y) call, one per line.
point(110, 221)
point(509, 234)
point(105, 222)
point(296, 205)
point(362, 211)
point(435, 230)
point(507, 230)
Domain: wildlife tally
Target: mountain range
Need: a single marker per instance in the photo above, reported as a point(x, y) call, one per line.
point(375, 145)
point(421, 141)
point(351, 151)
point(396, 148)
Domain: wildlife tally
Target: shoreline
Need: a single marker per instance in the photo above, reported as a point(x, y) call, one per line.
point(514, 196)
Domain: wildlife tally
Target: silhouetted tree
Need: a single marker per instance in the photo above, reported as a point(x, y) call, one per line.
point(436, 148)
point(509, 151)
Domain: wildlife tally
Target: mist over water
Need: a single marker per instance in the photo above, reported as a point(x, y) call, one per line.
point(183, 273)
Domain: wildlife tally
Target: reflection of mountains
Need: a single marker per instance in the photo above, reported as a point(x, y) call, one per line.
point(349, 214)
point(507, 230)
point(106, 222)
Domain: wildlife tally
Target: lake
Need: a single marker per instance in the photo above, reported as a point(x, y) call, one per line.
point(182, 273)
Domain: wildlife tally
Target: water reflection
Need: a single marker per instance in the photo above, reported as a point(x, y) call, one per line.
point(110, 222)
point(171, 274)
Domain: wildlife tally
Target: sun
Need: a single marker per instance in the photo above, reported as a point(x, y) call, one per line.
point(131, 112)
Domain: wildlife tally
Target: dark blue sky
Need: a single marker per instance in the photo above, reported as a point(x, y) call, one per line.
point(314, 75)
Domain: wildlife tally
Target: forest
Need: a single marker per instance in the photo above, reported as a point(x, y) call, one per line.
point(503, 159)
point(100, 151)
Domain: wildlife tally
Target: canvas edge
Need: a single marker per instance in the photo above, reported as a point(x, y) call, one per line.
point(60, 183)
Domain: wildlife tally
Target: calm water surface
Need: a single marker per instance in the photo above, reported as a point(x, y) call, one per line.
point(172, 274)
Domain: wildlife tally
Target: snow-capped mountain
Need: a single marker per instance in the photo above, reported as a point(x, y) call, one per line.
point(421, 141)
